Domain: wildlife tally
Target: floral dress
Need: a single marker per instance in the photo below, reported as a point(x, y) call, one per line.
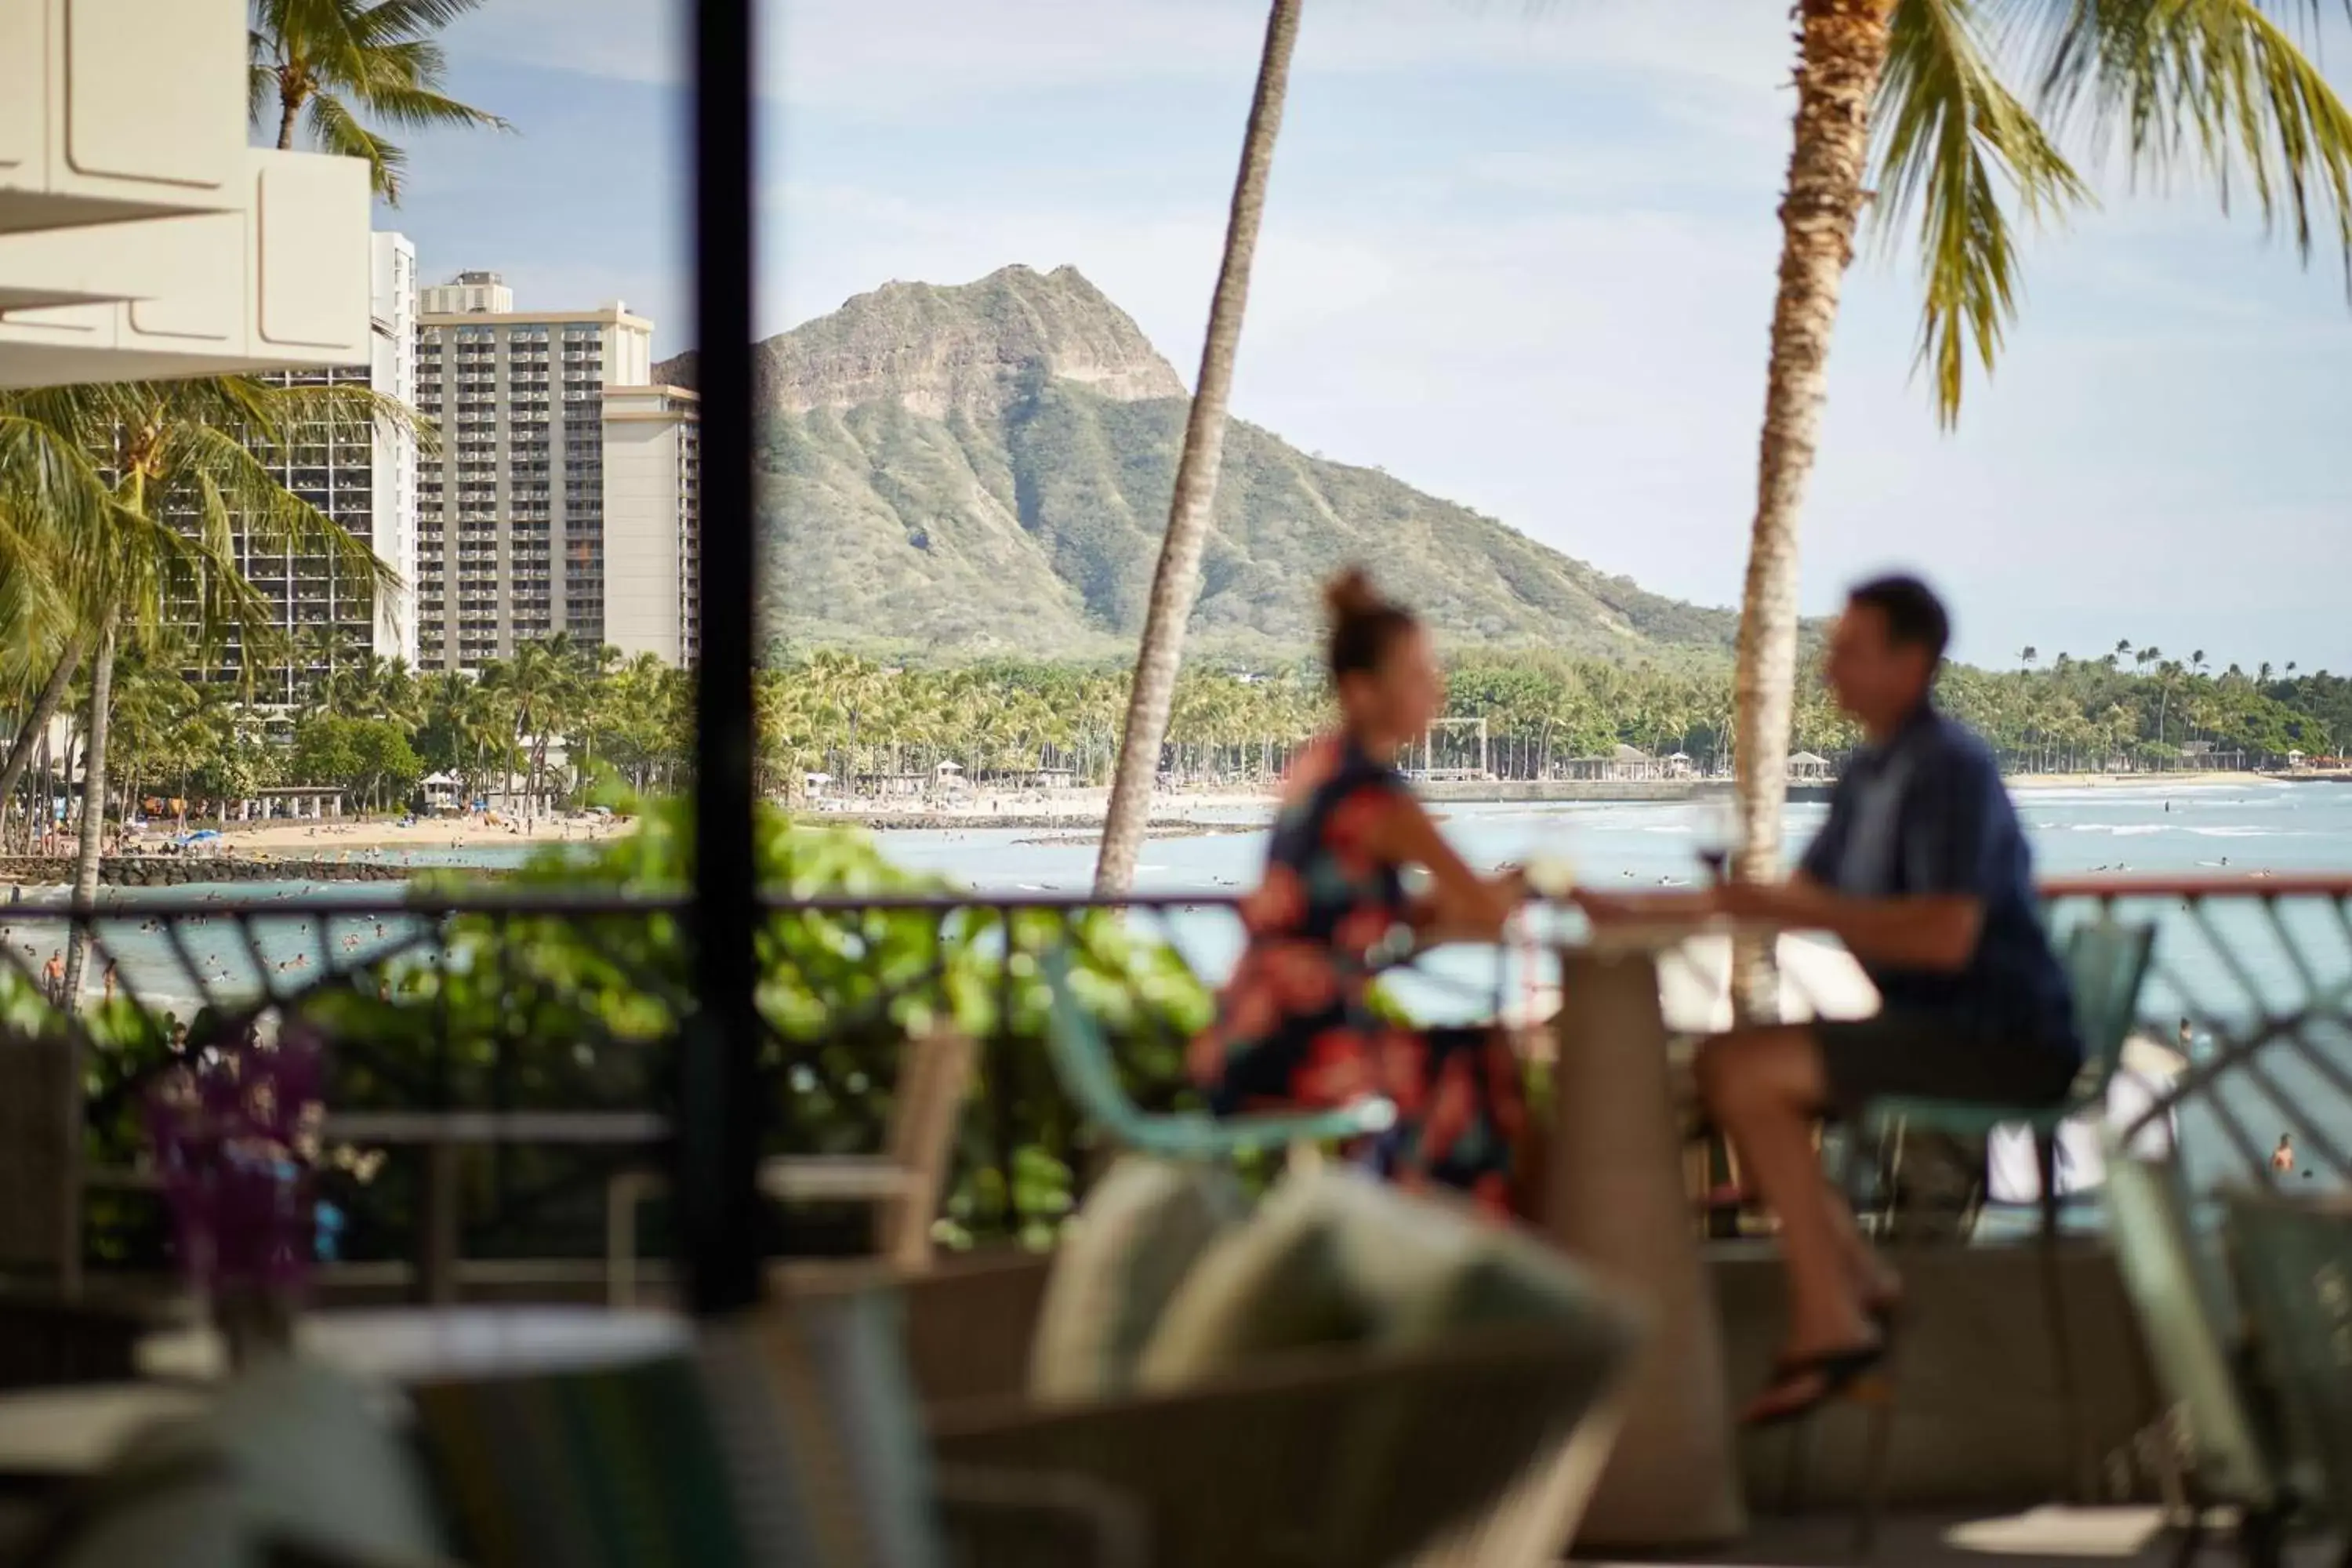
point(1297, 1025)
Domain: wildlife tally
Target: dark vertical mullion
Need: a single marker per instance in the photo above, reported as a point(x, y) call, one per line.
point(720, 1101)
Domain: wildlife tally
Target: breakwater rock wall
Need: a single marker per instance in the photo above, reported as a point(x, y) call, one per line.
point(177, 870)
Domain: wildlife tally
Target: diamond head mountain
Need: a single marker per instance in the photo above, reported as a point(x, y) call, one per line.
point(985, 469)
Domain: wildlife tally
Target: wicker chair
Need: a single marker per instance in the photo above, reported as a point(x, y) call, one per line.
point(1503, 1434)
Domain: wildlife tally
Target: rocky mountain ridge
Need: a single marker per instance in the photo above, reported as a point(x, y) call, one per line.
point(985, 469)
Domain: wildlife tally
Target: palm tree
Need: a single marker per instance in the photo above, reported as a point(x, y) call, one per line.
point(531, 686)
point(1177, 580)
point(329, 62)
point(1903, 97)
point(165, 474)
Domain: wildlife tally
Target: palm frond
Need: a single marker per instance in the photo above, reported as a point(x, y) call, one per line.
point(411, 105)
point(1953, 151)
point(410, 19)
point(336, 130)
point(260, 83)
point(2222, 86)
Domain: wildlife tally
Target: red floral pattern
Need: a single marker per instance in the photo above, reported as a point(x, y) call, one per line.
point(1293, 1025)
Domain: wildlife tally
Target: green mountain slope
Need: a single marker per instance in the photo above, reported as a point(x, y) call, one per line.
point(986, 469)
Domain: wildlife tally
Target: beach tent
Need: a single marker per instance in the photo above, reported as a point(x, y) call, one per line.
point(1809, 766)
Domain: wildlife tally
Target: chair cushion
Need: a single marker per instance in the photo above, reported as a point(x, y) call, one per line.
point(1143, 1227)
point(288, 1451)
point(592, 1468)
point(1334, 1257)
point(786, 1436)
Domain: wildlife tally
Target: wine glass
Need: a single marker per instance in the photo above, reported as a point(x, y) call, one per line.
point(1717, 834)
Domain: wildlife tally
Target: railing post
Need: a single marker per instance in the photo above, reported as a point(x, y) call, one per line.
point(722, 1099)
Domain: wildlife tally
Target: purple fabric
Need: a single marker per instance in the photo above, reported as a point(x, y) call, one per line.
point(235, 1127)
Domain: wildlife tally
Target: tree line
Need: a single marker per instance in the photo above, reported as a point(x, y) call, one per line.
point(551, 722)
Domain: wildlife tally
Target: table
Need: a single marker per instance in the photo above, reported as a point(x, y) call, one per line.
point(50, 1436)
point(1615, 1200)
point(408, 1344)
point(445, 1135)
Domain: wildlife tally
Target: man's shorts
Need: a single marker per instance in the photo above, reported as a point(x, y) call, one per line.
point(1930, 1054)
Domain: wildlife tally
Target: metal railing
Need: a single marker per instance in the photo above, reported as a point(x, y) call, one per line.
point(537, 1035)
point(2250, 988)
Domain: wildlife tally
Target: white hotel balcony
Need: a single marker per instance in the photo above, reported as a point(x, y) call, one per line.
point(139, 236)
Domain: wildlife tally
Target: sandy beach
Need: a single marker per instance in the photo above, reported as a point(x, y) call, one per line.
point(312, 840)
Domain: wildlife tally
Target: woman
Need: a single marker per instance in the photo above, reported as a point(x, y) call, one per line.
point(1296, 1025)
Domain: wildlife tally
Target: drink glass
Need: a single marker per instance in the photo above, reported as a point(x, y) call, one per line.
point(1717, 835)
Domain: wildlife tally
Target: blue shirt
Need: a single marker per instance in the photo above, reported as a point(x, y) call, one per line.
point(1927, 814)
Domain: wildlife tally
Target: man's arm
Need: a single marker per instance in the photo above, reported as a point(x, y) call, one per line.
point(1921, 930)
point(1932, 931)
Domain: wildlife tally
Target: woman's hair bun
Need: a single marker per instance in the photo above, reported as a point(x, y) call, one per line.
point(1363, 622)
point(1350, 593)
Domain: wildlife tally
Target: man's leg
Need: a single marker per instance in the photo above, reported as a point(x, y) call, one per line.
point(1764, 1087)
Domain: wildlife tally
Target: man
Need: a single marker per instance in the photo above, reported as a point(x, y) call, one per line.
point(1923, 872)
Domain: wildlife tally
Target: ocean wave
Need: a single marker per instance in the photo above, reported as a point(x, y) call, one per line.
point(2117, 829)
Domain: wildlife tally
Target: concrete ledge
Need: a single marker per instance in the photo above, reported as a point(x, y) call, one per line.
point(1977, 1417)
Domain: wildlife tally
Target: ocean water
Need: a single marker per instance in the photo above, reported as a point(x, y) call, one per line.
point(2224, 830)
point(2227, 966)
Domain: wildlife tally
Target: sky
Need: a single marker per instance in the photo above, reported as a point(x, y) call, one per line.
point(1518, 256)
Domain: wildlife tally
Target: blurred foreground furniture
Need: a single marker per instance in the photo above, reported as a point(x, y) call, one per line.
point(1289, 1410)
point(2293, 1261)
point(904, 1183)
point(2225, 1440)
point(1342, 1308)
point(782, 1439)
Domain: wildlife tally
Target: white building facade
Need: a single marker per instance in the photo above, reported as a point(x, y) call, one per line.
point(566, 494)
point(139, 236)
point(510, 542)
point(652, 523)
point(366, 486)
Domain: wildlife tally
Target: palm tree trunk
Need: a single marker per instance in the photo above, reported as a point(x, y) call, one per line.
point(93, 802)
point(45, 708)
point(289, 106)
point(1842, 48)
point(1177, 582)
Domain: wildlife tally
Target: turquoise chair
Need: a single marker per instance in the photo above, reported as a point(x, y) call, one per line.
point(2221, 1412)
point(2107, 961)
point(2292, 1258)
point(1082, 1060)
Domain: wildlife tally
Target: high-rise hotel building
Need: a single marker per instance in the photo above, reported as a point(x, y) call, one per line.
point(368, 484)
point(526, 529)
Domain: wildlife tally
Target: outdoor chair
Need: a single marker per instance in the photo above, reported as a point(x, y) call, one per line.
point(1503, 1429)
point(1082, 1062)
point(1260, 1440)
point(2293, 1261)
point(2193, 1325)
point(2107, 961)
point(784, 1438)
point(904, 1183)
